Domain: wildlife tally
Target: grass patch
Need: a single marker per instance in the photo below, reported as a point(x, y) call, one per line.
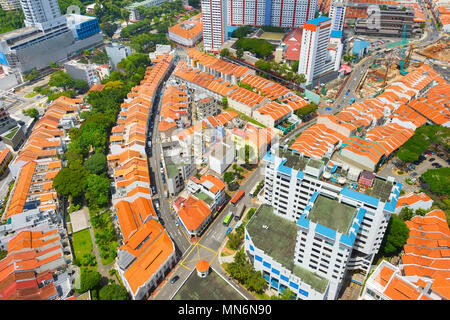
point(82, 243)
point(31, 95)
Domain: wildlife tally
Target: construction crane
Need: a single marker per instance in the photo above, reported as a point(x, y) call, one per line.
point(388, 64)
point(403, 64)
point(408, 58)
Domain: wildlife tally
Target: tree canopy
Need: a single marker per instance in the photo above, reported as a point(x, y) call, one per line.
point(97, 191)
point(113, 292)
point(260, 47)
point(397, 233)
point(241, 32)
point(71, 181)
point(438, 180)
point(89, 279)
point(96, 163)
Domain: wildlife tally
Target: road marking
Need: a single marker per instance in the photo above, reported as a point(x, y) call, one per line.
point(207, 248)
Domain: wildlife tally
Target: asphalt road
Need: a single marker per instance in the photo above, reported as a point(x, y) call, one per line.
point(154, 158)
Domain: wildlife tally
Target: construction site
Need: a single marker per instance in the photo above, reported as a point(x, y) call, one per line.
point(398, 63)
point(439, 51)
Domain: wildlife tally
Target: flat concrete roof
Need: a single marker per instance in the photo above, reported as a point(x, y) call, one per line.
point(332, 214)
point(278, 239)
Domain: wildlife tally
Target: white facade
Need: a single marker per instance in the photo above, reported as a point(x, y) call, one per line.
point(42, 14)
point(279, 13)
point(329, 253)
point(314, 57)
point(214, 17)
point(292, 13)
point(116, 52)
point(337, 14)
point(81, 71)
point(221, 157)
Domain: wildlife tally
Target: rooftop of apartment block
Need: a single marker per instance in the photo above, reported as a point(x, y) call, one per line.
point(276, 236)
point(332, 214)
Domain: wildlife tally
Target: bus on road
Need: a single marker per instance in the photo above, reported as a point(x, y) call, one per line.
point(238, 197)
point(227, 219)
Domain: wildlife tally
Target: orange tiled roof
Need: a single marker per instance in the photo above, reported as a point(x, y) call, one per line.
point(193, 213)
point(151, 247)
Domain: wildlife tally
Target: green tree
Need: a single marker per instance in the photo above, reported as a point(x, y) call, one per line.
point(306, 111)
point(224, 52)
point(113, 292)
point(125, 14)
point(263, 65)
point(89, 279)
point(395, 237)
point(97, 191)
point(81, 86)
point(31, 112)
point(3, 254)
point(109, 29)
point(241, 32)
point(406, 214)
point(224, 102)
point(61, 79)
point(287, 294)
point(438, 180)
point(228, 177)
point(260, 47)
point(71, 181)
point(300, 77)
point(96, 163)
point(239, 53)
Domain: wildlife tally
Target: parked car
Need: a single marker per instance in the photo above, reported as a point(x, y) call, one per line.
point(414, 174)
point(174, 279)
point(411, 166)
point(431, 159)
point(435, 164)
point(429, 152)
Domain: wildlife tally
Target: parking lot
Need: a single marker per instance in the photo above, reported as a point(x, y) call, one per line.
point(415, 173)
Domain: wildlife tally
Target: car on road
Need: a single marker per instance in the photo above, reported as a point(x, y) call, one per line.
point(174, 279)
point(154, 190)
point(157, 204)
point(176, 223)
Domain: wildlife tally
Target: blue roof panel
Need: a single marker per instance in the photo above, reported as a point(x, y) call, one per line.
point(318, 20)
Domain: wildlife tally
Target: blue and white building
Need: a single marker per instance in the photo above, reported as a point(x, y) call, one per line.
point(329, 225)
point(337, 14)
point(82, 26)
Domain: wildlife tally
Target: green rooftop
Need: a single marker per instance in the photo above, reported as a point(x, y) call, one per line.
point(172, 170)
point(293, 160)
point(332, 214)
point(203, 196)
point(278, 240)
point(381, 189)
point(315, 163)
point(316, 282)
